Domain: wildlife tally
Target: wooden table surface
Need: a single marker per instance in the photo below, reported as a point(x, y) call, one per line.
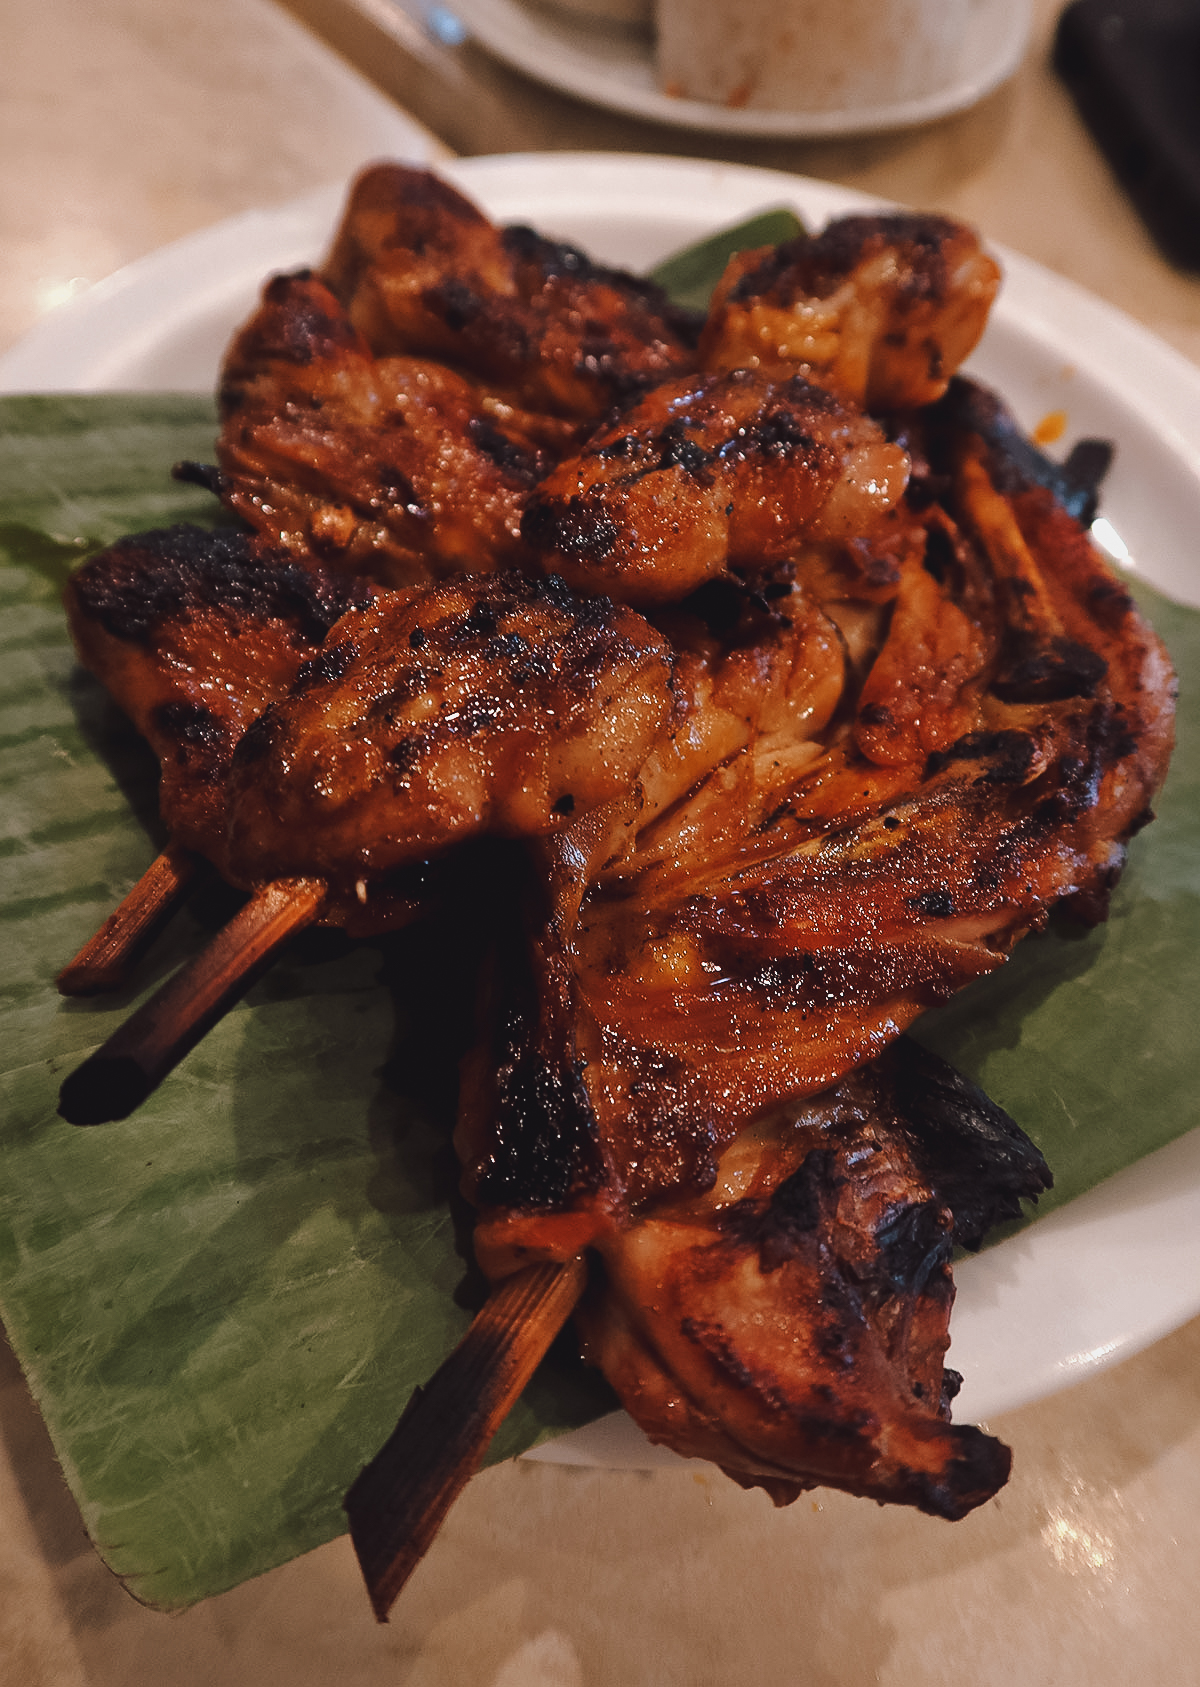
point(127, 124)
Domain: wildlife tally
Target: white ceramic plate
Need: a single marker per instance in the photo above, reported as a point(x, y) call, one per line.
point(1117, 1268)
point(611, 67)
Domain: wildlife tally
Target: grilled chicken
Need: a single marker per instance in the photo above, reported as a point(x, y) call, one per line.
point(501, 704)
point(724, 947)
point(790, 1323)
point(193, 634)
point(396, 467)
point(864, 739)
point(312, 725)
point(710, 476)
point(879, 309)
point(421, 271)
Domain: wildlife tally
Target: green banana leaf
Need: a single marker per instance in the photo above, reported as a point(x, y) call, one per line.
point(223, 1303)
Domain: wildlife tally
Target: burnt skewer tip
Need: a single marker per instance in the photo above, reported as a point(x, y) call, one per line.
point(115, 1080)
point(400, 1500)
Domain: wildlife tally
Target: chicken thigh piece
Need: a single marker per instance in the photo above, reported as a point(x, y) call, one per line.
point(880, 309)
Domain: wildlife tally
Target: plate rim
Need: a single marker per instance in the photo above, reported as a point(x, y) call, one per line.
point(1155, 378)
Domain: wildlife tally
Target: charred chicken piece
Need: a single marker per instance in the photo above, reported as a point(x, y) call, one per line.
point(881, 309)
point(372, 729)
point(708, 476)
point(503, 704)
point(395, 467)
point(421, 271)
point(791, 1323)
point(741, 938)
point(193, 634)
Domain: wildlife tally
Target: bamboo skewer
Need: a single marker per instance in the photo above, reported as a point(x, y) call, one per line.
point(398, 1502)
point(154, 1039)
point(105, 960)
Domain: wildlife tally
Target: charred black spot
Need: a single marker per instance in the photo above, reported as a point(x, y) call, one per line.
point(1082, 475)
point(981, 1465)
point(619, 450)
point(326, 667)
point(459, 305)
point(257, 742)
point(392, 490)
point(1009, 756)
point(552, 258)
point(577, 531)
point(191, 724)
point(417, 638)
point(676, 449)
point(794, 1210)
point(516, 650)
point(404, 754)
point(915, 1240)
point(934, 904)
point(544, 1137)
point(301, 324)
point(481, 620)
point(1047, 671)
point(207, 475)
point(565, 804)
point(141, 582)
point(875, 714)
point(1014, 462)
point(975, 1158)
point(777, 814)
point(779, 433)
point(939, 552)
point(512, 458)
point(478, 719)
point(719, 604)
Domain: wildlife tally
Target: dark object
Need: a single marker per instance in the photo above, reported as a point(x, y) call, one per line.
point(1133, 67)
point(1015, 461)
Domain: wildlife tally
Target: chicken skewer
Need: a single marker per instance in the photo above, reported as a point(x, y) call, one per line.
point(108, 957)
point(668, 848)
point(401, 1499)
point(195, 634)
point(503, 704)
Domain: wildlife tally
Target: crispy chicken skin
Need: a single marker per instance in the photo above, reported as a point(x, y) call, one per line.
point(422, 271)
point(794, 1317)
point(504, 704)
point(193, 634)
point(880, 309)
point(315, 725)
point(707, 476)
point(396, 467)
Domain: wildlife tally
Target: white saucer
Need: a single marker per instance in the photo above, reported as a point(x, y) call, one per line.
point(614, 67)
